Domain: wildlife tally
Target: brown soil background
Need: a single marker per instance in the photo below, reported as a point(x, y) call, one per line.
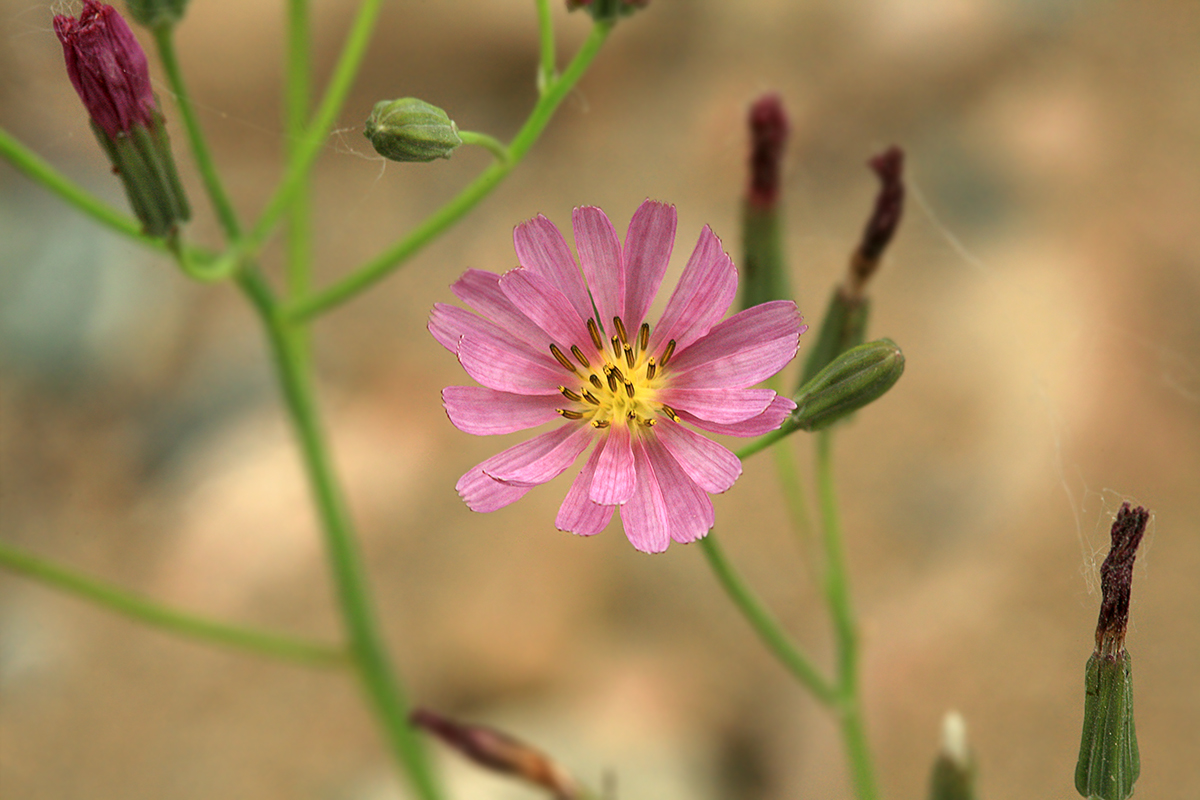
point(1045, 287)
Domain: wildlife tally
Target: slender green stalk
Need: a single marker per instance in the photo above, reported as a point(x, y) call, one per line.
point(437, 223)
point(310, 143)
point(837, 592)
point(797, 506)
point(366, 643)
point(165, 39)
point(150, 612)
point(40, 171)
point(765, 625)
point(490, 143)
point(298, 69)
point(548, 62)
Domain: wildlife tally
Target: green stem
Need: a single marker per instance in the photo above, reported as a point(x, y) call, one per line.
point(313, 138)
point(164, 38)
point(151, 613)
point(41, 172)
point(837, 592)
point(366, 643)
point(797, 506)
point(548, 62)
point(298, 69)
point(490, 143)
point(435, 224)
point(765, 625)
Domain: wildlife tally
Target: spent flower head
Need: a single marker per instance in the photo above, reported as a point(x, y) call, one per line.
point(549, 342)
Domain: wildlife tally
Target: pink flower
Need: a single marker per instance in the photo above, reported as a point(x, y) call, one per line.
point(551, 343)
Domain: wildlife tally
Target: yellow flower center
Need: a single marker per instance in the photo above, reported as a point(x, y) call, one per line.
point(619, 384)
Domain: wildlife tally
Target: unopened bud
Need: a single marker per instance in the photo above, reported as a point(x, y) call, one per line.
point(953, 775)
point(499, 752)
point(1109, 762)
point(109, 71)
point(156, 13)
point(607, 9)
point(857, 377)
point(764, 272)
point(409, 129)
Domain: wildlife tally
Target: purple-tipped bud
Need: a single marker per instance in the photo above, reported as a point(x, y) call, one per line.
point(889, 203)
point(500, 752)
point(107, 68)
point(1116, 579)
point(109, 71)
point(768, 138)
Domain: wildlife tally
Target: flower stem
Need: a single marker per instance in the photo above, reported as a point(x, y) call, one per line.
point(837, 593)
point(298, 69)
point(435, 224)
point(148, 611)
point(164, 38)
point(548, 62)
point(490, 143)
point(41, 172)
point(765, 625)
point(367, 648)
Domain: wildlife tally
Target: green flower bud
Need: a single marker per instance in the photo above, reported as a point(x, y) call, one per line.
point(843, 327)
point(1109, 763)
point(156, 13)
point(854, 379)
point(409, 129)
point(953, 775)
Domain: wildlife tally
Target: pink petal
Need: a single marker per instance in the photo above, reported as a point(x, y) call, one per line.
point(449, 324)
point(484, 412)
point(713, 467)
point(705, 290)
point(549, 308)
point(718, 405)
point(542, 458)
point(600, 256)
point(541, 248)
point(506, 369)
point(481, 291)
point(615, 474)
point(745, 349)
point(692, 513)
point(765, 422)
point(648, 245)
point(645, 517)
point(484, 494)
point(578, 514)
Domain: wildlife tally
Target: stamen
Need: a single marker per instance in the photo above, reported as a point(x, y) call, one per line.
point(567, 393)
point(670, 412)
point(596, 423)
point(644, 337)
point(595, 381)
point(591, 398)
point(594, 332)
point(562, 359)
point(616, 343)
point(649, 423)
point(612, 381)
point(629, 388)
point(630, 415)
point(575, 351)
point(667, 353)
point(570, 414)
point(629, 356)
point(620, 326)
point(651, 368)
point(617, 371)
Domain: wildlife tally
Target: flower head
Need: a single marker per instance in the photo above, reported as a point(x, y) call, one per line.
point(550, 342)
point(108, 68)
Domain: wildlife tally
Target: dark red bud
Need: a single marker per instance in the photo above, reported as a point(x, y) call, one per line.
point(768, 138)
point(1116, 579)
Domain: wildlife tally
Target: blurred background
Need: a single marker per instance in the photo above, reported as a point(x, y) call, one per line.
point(1045, 287)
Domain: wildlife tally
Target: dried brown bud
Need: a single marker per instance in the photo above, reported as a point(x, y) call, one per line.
point(1116, 579)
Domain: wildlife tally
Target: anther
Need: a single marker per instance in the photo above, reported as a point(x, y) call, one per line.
point(612, 381)
point(651, 368)
point(629, 388)
point(616, 344)
point(670, 412)
point(596, 423)
point(575, 351)
point(629, 356)
point(594, 332)
point(620, 326)
point(591, 398)
point(570, 395)
point(666, 356)
point(595, 381)
point(562, 359)
point(570, 414)
point(615, 370)
point(644, 337)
